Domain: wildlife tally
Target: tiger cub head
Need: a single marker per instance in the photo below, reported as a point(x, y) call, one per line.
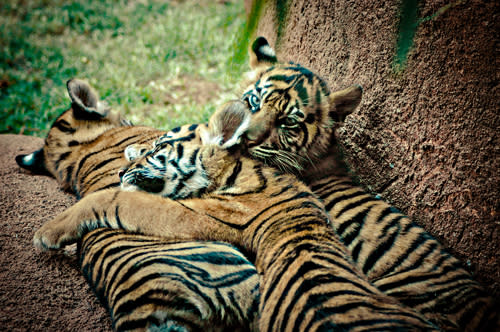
point(187, 166)
point(294, 114)
point(84, 121)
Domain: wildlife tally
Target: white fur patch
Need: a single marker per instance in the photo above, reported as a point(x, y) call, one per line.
point(250, 76)
point(208, 139)
point(132, 152)
point(28, 159)
point(235, 139)
point(267, 50)
point(125, 186)
point(102, 107)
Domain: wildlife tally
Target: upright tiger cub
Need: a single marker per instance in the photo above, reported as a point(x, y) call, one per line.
point(292, 127)
point(144, 281)
point(308, 282)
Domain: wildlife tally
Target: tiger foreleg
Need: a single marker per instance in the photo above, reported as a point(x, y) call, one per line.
point(133, 211)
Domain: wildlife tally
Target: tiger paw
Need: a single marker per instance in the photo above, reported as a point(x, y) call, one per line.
point(55, 234)
point(44, 242)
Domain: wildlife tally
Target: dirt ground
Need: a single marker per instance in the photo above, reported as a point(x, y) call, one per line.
point(38, 291)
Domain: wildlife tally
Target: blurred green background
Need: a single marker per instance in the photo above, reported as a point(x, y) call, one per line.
point(162, 63)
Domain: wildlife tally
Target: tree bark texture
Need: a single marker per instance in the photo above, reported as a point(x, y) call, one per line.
point(426, 135)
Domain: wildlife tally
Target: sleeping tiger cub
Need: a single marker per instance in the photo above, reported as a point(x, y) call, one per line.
point(145, 282)
point(212, 192)
point(293, 128)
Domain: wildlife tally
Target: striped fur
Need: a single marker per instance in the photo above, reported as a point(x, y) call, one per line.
point(292, 128)
point(308, 282)
point(403, 260)
point(145, 282)
point(182, 286)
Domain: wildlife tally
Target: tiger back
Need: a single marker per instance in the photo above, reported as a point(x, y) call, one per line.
point(145, 282)
point(205, 189)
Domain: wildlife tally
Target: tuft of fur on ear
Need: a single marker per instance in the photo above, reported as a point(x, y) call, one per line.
point(85, 101)
point(227, 125)
point(34, 162)
point(345, 101)
point(261, 53)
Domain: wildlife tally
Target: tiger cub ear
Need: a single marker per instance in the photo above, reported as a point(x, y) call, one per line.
point(261, 53)
point(34, 162)
point(345, 102)
point(227, 125)
point(85, 101)
point(135, 151)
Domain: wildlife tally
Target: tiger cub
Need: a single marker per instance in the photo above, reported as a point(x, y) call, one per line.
point(145, 282)
point(292, 127)
point(206, 190)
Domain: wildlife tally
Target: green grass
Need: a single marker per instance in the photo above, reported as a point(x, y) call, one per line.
point(161, 63)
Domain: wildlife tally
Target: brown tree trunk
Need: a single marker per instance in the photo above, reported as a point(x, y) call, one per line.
point(426, 136)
